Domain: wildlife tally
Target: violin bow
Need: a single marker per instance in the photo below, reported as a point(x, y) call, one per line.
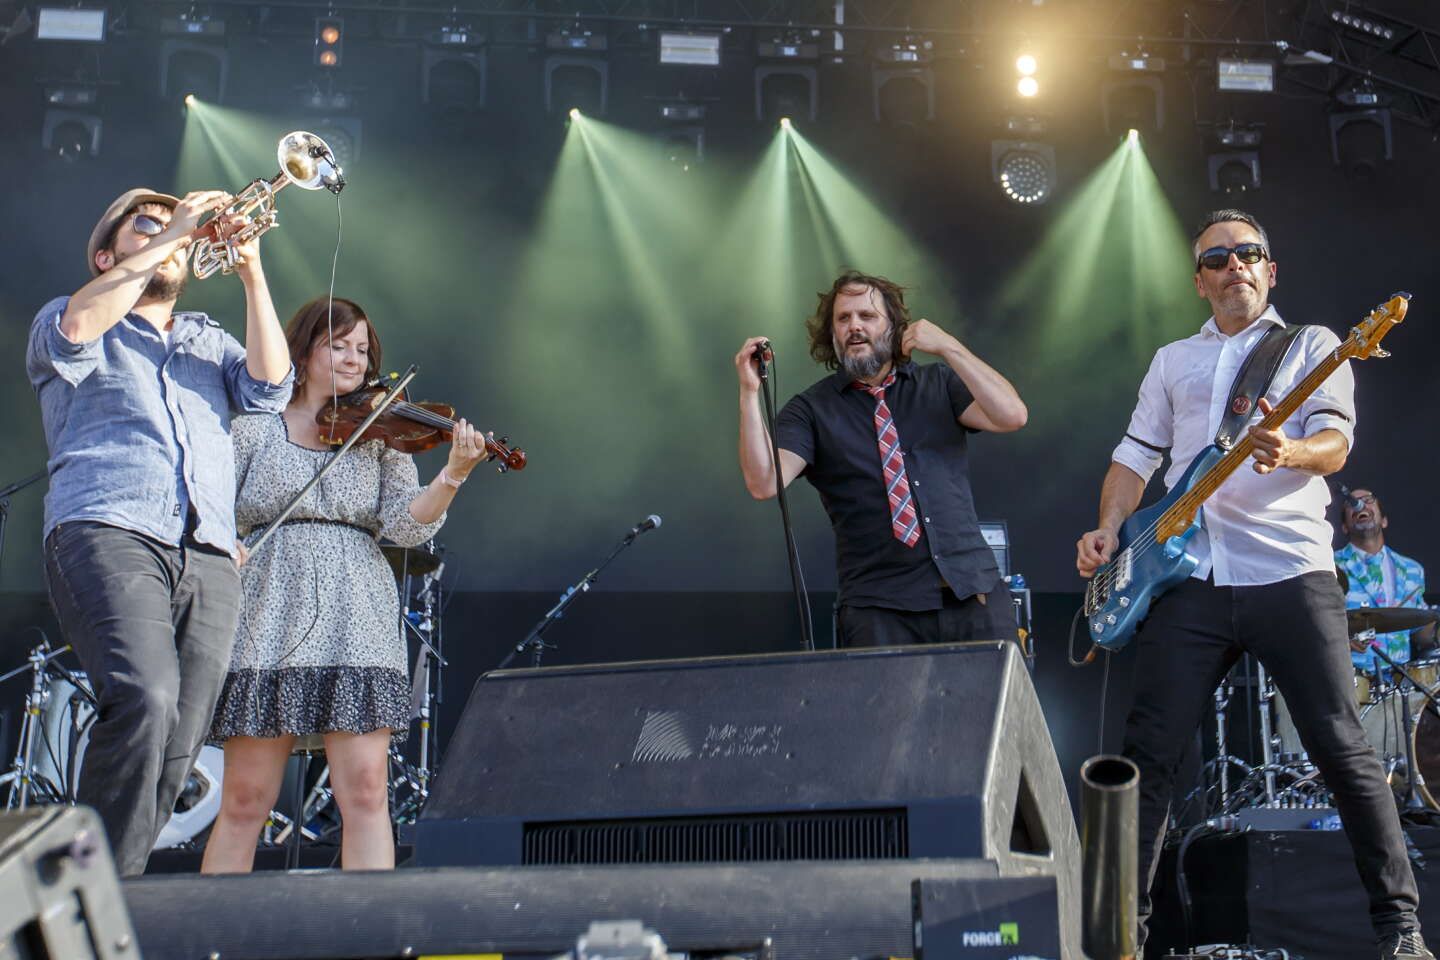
point(380, 408)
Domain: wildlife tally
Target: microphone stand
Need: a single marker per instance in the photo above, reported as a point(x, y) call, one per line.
point(5, 496)
point(535, 638)
point(792, 553)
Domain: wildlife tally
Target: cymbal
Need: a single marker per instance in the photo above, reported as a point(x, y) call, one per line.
point(416, 561)
point(1388, 619)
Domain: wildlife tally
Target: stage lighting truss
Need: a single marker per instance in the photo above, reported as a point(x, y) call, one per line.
point(1024, 169)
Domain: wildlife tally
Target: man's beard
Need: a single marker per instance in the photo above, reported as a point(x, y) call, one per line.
point(866, 366)
point(161, 287)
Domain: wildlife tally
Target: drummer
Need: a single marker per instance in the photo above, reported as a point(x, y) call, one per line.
point(1379, 577)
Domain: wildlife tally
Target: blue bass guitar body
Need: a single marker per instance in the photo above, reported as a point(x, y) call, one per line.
point(1143, 568)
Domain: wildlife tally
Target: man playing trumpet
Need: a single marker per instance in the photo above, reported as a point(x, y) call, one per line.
point(140, 553)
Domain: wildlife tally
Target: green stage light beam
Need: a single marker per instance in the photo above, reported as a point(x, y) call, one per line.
point(1111, 271)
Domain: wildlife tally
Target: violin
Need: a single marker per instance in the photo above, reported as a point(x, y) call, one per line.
point(407, 426)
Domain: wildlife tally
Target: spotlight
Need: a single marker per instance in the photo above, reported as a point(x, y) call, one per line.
point(574, 113)
point(1362, 23)
point(1360, 140)
point(785, 123)
point(71, 135)
point(189, 99)
point(329, 42)
point(1237, 172)
point(192, 67)
point(1024, 170)
point(1026, 65)
point(69, 23)
point(453, 69)
point(581, 82)
point(1133, 102)
point(71, 94)
point(785, 89)
point(1027, 87)
point(903, 96)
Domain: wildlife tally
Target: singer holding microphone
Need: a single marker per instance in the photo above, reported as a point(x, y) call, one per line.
point(885, 442)
point(318, 654)
point(136, 399)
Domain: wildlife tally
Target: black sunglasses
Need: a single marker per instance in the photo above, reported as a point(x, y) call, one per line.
point(147, 226)
point(1216, 258)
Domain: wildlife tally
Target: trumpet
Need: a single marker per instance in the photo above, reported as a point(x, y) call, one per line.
point(305, 160)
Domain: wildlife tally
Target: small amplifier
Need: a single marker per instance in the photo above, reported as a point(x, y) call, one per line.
point(997, 535)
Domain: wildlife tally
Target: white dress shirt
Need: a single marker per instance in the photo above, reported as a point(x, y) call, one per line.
point(1256, 528)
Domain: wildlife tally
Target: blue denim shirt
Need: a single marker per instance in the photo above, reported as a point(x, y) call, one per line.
point(139, 432)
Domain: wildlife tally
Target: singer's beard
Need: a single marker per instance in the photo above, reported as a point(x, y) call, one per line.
point(865, 366)
point(163, 286)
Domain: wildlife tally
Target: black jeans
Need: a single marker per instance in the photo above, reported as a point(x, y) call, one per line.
point(152, 626)
point(1296, 628)
point(957, 621)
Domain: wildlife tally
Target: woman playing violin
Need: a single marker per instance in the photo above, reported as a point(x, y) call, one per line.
point(317, 654)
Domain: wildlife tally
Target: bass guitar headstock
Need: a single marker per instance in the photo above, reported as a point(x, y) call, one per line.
point(1365, 336)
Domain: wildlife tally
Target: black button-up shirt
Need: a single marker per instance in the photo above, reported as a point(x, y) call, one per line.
point(832, 427)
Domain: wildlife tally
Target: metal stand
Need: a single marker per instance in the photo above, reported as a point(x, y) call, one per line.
point(22, 777)
point(1267, 747)
point(1412, 774)
point(534, 640)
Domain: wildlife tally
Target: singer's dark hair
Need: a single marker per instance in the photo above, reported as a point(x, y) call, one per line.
point(821, 324)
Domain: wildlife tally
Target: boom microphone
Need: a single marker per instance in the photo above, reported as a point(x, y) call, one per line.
point(1351, 501)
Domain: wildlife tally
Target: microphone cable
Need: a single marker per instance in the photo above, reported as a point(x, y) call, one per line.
point(769, 393)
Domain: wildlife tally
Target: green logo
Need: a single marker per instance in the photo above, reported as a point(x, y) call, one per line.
point(1010, 934)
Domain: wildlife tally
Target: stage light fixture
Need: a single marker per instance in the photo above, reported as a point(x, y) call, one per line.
point(1027, 86)
point(577, 37)
point(191, 24)
point(684, 146)
point(909, 49)
point(786, 90)
point(1235, 172)
point(71, 94)
point(1026, 65)
point(792, 45)
point(689, 49)
point(329, 42)
point(1363, 23)
point(578, 82)
point(1025, 170)
point(1233, 134)
point(1244, 76)
point(574, 113)
point(189, 99)
point(1140, 62)
point(1135, 101)
point(453, 68)
point(84, 25)
point(192, 67)
point(70, 134)
point(1360, 140)
point(903, 96)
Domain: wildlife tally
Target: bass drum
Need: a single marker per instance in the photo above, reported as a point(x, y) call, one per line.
point(1427, 753)
point(67, 717)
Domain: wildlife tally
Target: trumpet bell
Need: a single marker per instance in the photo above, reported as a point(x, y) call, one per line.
point(308, 162)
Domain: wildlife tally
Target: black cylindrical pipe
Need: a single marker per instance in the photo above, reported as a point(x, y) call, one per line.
point(1109, 843)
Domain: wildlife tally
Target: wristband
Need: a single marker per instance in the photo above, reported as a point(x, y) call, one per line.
point(448, 480)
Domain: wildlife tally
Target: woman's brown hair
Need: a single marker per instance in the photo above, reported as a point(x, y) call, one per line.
point(316, 323)
point(821, 324)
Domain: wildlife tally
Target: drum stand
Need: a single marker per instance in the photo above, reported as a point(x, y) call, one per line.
point(22, 776)
point(424, 625)
point(1267, 747)
point(1413, 801)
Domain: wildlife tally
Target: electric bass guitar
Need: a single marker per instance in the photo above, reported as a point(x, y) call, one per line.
point(1153, 554)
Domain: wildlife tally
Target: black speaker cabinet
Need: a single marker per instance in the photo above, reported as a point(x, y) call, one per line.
point(59, 896)
point(904, 753)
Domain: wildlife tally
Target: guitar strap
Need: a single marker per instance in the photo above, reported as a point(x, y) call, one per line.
point(1254, 378)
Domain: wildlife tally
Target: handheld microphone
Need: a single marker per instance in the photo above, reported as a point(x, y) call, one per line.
point(762, 351)
point(649, 523)
point(1351, 501)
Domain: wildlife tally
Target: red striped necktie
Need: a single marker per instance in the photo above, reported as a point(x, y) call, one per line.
point(903, 520)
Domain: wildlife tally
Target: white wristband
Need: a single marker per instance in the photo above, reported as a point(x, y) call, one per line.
point(448, 480)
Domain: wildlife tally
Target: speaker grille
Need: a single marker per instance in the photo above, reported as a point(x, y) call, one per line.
point(838, 835)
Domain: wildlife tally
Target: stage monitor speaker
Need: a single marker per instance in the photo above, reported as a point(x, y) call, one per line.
point(935, 751)
point(59, 897)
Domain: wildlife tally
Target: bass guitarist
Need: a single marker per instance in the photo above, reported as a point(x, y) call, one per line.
point(1266, 581)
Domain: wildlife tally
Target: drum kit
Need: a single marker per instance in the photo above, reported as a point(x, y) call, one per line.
point(1399, 706)
point(60, 710)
